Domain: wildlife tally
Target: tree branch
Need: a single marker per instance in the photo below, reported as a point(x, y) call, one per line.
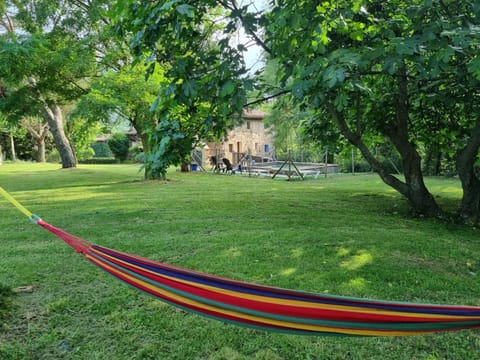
point(355, 139)
point(7, 24)
point(266, 98)
point(86, 7)
point(248, 30)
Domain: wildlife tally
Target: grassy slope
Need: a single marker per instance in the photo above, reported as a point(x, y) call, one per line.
point(341, 235)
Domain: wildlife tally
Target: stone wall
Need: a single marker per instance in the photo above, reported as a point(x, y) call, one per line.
point(251, 138)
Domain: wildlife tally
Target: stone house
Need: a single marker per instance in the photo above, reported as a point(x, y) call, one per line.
point(250, 138)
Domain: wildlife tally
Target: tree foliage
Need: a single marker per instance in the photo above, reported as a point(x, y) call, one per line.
point(46, 58)
point(38, 129)
point(399, 75)
point(126, 94)
point(402, 72)
point(206, 77)
point(406, 72)
point(119, 145)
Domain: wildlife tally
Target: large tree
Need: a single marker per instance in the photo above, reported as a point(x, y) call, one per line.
point(368, 64)
point(47, 55)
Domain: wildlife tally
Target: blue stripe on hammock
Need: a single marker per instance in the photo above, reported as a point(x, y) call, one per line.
point(332, 324)
point(254, 289)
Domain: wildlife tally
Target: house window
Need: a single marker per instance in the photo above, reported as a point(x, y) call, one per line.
point(248, 125)
point(230, 147)
point(267, 148)
point(239, 147)
point(256, 147)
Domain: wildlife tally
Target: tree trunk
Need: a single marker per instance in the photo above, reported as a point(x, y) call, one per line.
point(39, 132)
point(413, 188)
point(416, 192)
point(54, 116)
point(1, 155)
point(470, 208)
point(12, 147)
point(41, 150)
point(184, 167)
point(149, 173)
point(466, 158)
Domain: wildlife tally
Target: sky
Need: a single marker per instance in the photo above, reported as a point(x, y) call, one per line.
point(253, 57)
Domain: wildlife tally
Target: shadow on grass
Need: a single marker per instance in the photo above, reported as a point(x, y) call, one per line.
point(6, 301)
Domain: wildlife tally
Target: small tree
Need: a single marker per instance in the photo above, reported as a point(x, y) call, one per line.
point(82, 134)
point(124, 94)
point(39, 130)
point(119, 145)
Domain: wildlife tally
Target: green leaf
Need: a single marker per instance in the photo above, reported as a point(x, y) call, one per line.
point(405, 46)
point(340, 75)
point(390, 65)
point(169, 4)
point(164, 144)
point(189, 88)
point(154, 105)
point(341, 102)
point(357, 35)
point(185, 9)
point(227, 88)
point(298, 89)
point(474, 67)
point(334, 76)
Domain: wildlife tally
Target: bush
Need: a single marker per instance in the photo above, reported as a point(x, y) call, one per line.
point(136, 153)
point(53, 157)
point(85, 153)
point(101, 150)
point(360, 166)
point(108, 160)
point(119, 145)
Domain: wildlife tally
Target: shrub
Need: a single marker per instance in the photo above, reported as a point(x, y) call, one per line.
point(119, 145)
point(102, 150)
point(360, 166)
point(85, 153)
point(136, 153)
point(53, 156)
point(107, 160)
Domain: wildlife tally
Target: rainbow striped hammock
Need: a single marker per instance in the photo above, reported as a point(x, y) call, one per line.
point(264, 307)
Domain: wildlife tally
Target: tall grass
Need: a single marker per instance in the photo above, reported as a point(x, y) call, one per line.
point(346, 235)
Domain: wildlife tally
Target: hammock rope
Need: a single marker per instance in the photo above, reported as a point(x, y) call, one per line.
point(264, 307)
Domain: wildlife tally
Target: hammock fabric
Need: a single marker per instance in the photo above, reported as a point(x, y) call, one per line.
point(264, 307)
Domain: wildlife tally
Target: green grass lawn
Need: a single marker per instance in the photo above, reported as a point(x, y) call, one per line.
point(345, 235)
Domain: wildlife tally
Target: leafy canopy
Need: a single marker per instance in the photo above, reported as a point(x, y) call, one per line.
point(206, 77)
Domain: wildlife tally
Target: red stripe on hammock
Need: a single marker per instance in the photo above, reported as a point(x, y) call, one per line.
point(273, 308)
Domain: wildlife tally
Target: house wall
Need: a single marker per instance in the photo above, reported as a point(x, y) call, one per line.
point(251, 138)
